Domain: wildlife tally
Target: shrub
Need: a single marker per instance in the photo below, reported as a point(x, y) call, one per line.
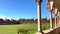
point(23, 31)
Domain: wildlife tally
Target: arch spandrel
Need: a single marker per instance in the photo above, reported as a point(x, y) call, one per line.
point(57, 4)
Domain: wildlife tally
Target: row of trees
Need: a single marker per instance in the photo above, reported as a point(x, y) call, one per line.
point(7, 21)
point(23, 21)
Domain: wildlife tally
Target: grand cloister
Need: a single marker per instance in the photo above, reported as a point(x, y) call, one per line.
point(54, 7)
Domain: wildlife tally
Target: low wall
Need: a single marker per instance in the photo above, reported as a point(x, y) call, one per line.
point(52, 31)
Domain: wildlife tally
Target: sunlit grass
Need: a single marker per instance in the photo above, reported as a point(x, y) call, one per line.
point(12, 29)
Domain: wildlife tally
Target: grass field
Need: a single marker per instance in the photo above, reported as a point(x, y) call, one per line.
point(13, 29)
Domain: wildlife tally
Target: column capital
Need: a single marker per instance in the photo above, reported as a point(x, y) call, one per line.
point(50, 0)
point(50, 6)
point(38, 1)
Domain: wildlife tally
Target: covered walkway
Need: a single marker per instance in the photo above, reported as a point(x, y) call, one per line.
point(54, 7)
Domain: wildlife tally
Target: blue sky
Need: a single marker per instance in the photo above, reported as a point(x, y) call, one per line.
point(21, 9)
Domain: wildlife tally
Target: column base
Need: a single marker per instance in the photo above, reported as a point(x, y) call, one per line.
point(38, 32)
point(51, 28)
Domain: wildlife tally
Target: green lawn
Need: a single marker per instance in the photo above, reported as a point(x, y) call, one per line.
point(13, 29)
